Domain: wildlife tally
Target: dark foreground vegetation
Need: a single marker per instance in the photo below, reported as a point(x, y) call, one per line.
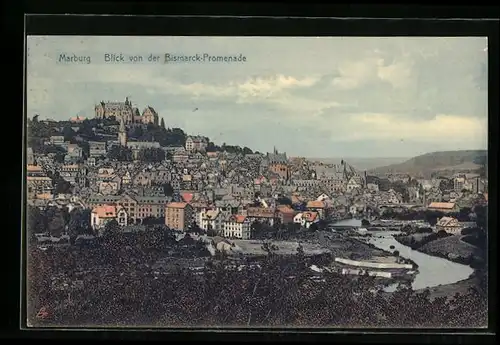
point(132, 294)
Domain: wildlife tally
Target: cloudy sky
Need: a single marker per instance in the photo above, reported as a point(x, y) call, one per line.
point(313, 97)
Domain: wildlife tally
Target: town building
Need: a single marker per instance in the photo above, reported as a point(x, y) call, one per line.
point(237, 226)
point(317, 206)
point(445, 207)
point(38, 185)
point(149, 115)
point(101, 215)
point(78, 119)
point(278, 164)
point(261, 215)
point(137, 146)
point(450, 225)
point(211, 219)
point(122, 134)
point(30, 157)
point(125, 111)
point(306, 219)
point(70, 172)
point(117, 110)
point(138, 207)
point(196, 143)
point(97, 148)
point(178, 215)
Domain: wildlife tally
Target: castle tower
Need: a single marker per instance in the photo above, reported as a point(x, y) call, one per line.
point(122, 133)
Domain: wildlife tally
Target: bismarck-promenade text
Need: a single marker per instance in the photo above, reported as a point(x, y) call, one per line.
point(202, 58)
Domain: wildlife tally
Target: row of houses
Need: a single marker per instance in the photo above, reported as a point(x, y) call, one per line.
point(224, 219)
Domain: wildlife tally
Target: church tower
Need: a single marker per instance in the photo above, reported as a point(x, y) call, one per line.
point(122, 133)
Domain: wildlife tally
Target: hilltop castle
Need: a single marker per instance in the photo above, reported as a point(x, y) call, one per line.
point(125, 111)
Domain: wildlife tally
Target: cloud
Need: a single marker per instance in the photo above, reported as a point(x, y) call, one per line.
point(442, 128)
point(310, 96)
point(354, 74)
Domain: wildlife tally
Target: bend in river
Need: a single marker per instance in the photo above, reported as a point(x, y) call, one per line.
point(432, 271)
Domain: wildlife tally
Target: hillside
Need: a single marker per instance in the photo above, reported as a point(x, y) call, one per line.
point(362, 164)
point(450, 161)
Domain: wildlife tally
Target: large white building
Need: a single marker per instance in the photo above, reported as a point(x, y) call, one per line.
point(237, 227)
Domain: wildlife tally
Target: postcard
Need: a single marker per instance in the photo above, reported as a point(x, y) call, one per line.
point(250, 182)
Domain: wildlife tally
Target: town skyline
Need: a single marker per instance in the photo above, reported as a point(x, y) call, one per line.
point(399, 97)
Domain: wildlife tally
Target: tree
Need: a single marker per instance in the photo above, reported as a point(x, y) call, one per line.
point(61, 186)
point(35, 221)
point(284, 201)
point(211, 147)
point(195, 228)
point(168, 190)
point(446, 185)
point(153, 221)
point(79, 223)
point(481, 217)
point(162, 123)
point(85, 148)
point(68, 133)
point(120, 153)
point(87, 129)
point(111, 229)
point(55, 222)
point(396, 254)
point(247, 151)
point(313, 227)
point(365, 222)
point(137, 132)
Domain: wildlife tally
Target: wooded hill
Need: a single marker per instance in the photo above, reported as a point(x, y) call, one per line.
point(443, 162)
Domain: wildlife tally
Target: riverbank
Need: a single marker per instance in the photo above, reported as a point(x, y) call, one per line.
point(451, 290)
point(450, 248)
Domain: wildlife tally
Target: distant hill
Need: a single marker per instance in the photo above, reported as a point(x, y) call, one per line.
point(445, 161)
point(363, 163)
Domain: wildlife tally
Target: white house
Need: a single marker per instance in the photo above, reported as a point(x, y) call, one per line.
point(298, 218)
point(323, 197)
point(305, 219)
point(211, 219)
point(103, 214)
point(450, 225)
point(237, 226)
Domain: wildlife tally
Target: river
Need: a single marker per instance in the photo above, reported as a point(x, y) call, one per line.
point(432, 271)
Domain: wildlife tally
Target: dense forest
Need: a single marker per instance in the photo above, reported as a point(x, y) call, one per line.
point(270, 296)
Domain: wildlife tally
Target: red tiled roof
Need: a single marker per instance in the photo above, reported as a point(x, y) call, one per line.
point(445, 205)
point(315, 204)
point(187, 197)
point(239, 219)
point(285, 209)
point(260, 212)
point(106, 211)
point(177, 205)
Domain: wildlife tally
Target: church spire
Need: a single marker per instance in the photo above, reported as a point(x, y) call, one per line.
point(122, 133)
point(122, 125)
